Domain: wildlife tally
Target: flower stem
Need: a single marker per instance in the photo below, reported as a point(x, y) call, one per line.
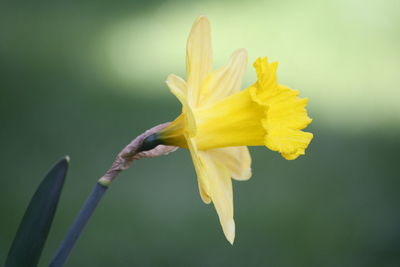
point(78, 225)
point(133, 151)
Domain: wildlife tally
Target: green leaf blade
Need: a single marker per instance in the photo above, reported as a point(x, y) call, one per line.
point(33, 230)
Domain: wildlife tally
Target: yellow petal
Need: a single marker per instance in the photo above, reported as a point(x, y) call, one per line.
point(214, 169)
point(174, 134)
point(200, 171)
point(198, 57)
point(236, 159)
point(215, 184)
point(177, 83)
point(190, 124)
point(220, 190)
point(224, 81)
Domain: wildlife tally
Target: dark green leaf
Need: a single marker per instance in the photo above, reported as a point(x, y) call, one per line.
point(32, 233)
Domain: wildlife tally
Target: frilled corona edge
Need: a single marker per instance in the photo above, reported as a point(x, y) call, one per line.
point(285, 112)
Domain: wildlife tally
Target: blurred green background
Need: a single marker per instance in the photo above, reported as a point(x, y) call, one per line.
point(84, 78)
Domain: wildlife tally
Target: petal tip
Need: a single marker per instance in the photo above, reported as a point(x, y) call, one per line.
point(248, 175)
point(244, 175)
point(202, 19)
point(229, 231)
point(241, 51)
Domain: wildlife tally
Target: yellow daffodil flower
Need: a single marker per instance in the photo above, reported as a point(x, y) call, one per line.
point(219, 121)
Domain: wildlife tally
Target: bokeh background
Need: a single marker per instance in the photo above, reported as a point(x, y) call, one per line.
point(84, 78)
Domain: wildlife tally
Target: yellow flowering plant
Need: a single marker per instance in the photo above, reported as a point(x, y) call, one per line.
point(217, 123)
point(218, 120)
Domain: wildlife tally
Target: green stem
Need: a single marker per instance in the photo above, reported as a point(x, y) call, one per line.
point(79, 224)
